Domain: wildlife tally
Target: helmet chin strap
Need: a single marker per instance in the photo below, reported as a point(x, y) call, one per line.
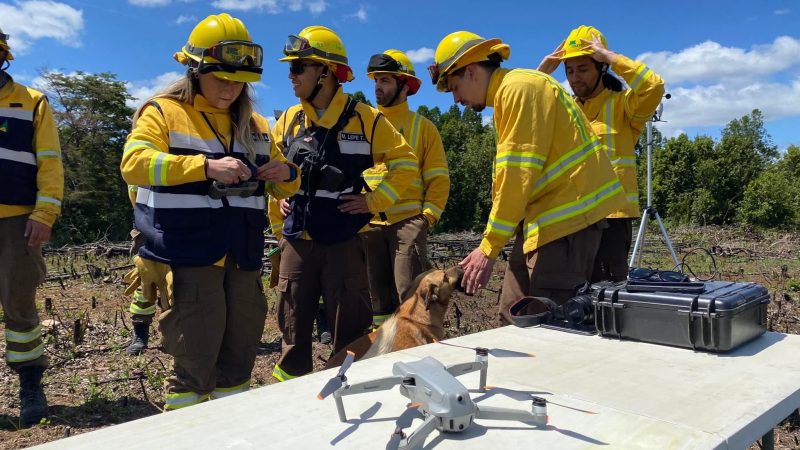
point(320, 81)
point(602, 68)
point(400, 84)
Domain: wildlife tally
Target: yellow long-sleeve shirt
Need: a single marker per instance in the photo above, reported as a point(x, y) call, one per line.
point(551, 175)
point(388, 147)
point(21, 107)
point(430, 188)
point(618, 119)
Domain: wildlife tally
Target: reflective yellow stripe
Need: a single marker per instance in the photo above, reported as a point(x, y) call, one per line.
point(228, 391)
point(388, 191)
point(566, 162)
point(23, 337)
point(611, 145)
point(627, 161)
point(437, 212)
point(158, 169)
point(135, 309)
point(567, 101)
point(18, 357)
point(643, 73)
point(404, 206)
point(132, 145)
point(633, 198)
point(499, 226)
point(45, 154)
point(45, 199)
point(436, 172)
point(133, 188)
point(369, 178)
point(378, 320)
point(280, 375)
point(403, 164)
point(519, 159)
point(178, 400)
point(415, 131)
point(572, 209)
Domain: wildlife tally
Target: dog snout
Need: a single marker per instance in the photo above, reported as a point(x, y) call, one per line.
point(456, 273)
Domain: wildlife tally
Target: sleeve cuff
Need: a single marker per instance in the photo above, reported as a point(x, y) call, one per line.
point(488, 250)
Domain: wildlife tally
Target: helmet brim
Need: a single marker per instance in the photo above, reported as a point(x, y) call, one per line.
point(238, 76)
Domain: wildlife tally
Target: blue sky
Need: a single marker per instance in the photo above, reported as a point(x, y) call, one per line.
point(720, 59)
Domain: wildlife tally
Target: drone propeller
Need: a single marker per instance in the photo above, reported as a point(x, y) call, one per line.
point(404, 421)
point(496, 352)
point(337, 381)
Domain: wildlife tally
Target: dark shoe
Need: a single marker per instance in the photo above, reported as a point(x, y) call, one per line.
point(32, 402)
point(141, 334)
point(325, 337)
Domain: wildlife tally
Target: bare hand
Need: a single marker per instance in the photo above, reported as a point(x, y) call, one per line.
point(550, 62)
point(599, 52)
point(228, 170)
point(354, 204)
point(37, 233)
point(285, 207)
point(477, 270)
point(274, 171)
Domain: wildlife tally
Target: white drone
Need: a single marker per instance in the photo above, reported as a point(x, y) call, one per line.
point(436, 396)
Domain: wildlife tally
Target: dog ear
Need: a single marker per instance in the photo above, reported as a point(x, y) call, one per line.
point(431, 296)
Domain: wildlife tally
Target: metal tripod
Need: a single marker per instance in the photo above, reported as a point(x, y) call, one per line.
point(650, 211)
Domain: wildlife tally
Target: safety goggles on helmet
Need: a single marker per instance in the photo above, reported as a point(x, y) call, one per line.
point(297, 67)
point(436, 71)
point(301, 48)
point(233, 56)
point(4, 37)
point(385, 63)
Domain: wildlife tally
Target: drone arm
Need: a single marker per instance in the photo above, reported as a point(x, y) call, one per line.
point(417, 438)
point(380, 384)
point(495, 413)
point(462, 368)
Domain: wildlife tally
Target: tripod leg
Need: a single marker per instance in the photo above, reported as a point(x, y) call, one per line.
point(639, 244)
point(668, 242)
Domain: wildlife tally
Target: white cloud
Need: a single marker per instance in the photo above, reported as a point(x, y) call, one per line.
point(149, 3)
point(420, 55)
point(270, 6)
point(487, 119)
point(360, 15)
point(184, 19)
point(711, 61)
point(143, 90)
point(28, 21)
point(781, 12)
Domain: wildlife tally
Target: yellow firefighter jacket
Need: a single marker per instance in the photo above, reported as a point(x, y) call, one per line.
point(386, 144)
point(31, 170)
point(551, 172)
point(429, 190)
point(618, 119)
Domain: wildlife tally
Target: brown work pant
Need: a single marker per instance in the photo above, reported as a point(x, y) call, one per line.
point(611, 262)
point(22, 269)
point(396, 254)
point(309, 270)
point(213, 328)
point(555, 270)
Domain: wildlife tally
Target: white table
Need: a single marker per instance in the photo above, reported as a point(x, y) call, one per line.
point(644, 396)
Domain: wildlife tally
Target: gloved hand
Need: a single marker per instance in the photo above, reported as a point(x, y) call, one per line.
point(154, 278)
point(275, 261)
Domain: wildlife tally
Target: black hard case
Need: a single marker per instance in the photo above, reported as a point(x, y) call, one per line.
point(716, 316)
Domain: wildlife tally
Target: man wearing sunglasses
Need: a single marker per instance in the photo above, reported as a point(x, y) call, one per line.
point(617, 116)
point(333, 138)
point(553, 184)
point(397, 242)
point(32, 177)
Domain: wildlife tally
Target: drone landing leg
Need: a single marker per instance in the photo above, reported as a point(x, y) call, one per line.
point(417, 438)
point(539, 417)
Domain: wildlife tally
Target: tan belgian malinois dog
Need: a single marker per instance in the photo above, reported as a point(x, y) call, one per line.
point(419, 320)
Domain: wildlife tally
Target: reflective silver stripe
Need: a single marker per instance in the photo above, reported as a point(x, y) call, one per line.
point(185, 201)
point(327, 194)
point(17, 357)
point(415, 131)
point(158, 169)
point(404, 207)
point(576, 155)
point(254, 202)
point(633, 198)
point(261, 147)
point(183, 140)
point(23, 337)
point(639, 78)
point(45, 199)
point(227, 392)
point(181, 400)
point(21, 157)
point(17, 113)
point(624, 161)
point(354, 147)
point(435, 209)
point(48, 154)
point(571, 211)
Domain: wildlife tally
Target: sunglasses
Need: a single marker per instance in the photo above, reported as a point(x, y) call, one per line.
point(641, 273)
point(297, 67)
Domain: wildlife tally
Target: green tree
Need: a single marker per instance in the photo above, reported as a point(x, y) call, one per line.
point(772, 199)
point(359, 96)
point(93, 122)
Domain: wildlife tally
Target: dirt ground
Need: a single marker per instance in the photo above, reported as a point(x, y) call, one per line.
point(92, 383)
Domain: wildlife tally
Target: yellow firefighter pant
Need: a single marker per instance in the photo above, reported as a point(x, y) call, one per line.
point(22, 269)
point(611, 262)
point(309, 270)
point(213, 328)
point(555, 270)
point(142, 309)
point(396, 254)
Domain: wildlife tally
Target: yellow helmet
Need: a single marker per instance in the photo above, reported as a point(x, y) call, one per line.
point(460, 49)
point(396, 63)
point(574, 46)
point(4, 45)
point(221, 44)
point(320, 44)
